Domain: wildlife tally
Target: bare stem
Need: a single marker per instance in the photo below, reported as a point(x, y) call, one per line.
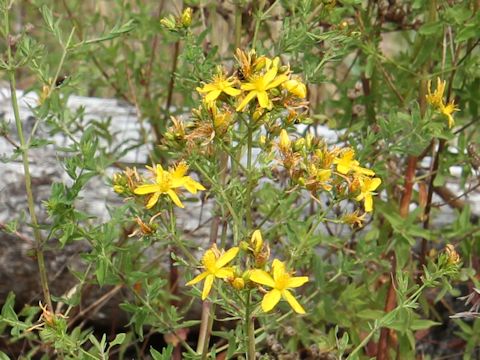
point(26, 168)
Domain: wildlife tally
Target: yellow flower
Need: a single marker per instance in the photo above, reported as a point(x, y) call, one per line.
point(296, 88)
point(166, 182)
point(280, 283)
point(214, 265)
point(258, 87)
point(217, 86)
point(354, 219)
point(319, 178)
point(448, 110)
point(346, 163)
point(367, 186)
point(436, 98)
point(284, 143)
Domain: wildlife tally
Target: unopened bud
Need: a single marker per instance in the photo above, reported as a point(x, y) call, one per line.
point(284, 143)
point(238, 283)
point(299, 144)
point(186, 18)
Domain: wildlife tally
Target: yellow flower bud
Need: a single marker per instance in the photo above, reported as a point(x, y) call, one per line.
point(299, 144)
point(262, 140)
point(296, 88)
point(285, 143)
point(238, 283)
point(308, 141)
point(186, 18)
point(168, 22)
point(119, 189)
point(257, 241)
point(244, 245)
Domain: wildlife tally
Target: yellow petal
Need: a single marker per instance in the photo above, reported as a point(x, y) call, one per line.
point(224, 273)
point(342, 169)
point(280, 79)
point(368, 202)
point(374, 183)
point(207, 88)
point(298, 281)
point(207, 286)
point(197, 279)
point(153, 200)
point(271, 299)
point(232, 91)
point(227, 257)
point(180, 170)
point(262, 277)
point(270, 75)
point(208, 260)
point(364, 171)
point(173, 195)
point(293, 302)
point(213, 95)
point(263, 99)
point(278, 269)
point(146, 189)
point(246, 100)
point(192, 186)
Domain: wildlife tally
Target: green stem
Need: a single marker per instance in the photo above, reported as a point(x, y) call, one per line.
point(26, 168)
point(250, 324)
point(248, 198)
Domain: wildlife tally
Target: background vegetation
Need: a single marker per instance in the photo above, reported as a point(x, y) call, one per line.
point(385, 289)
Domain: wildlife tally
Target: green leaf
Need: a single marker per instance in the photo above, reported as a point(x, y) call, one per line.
point(370, 314)
point(166, 353)
point(119, 339)
point(420, 324)
point(3, 356)
point(467, 32)
point(431, 28)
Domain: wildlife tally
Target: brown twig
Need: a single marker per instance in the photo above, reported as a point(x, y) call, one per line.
point(95, 306)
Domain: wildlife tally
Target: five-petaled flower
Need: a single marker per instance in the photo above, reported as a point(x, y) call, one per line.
point(258, 85)
point(166, 182)
point(214, 264)
point(436, 100)
point(219, 84)
point(346, 163)
point(280, 283)
point(367, 186)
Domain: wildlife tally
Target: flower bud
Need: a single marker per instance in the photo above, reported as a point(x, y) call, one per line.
point(168, 22)
point(262, 140)
point(284, 143)
point(238, 283)
point(244, 245)
point(299, 144)
point(186, 18)
point(296, 88)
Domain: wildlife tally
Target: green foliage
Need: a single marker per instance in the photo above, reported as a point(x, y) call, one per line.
point(367, 67)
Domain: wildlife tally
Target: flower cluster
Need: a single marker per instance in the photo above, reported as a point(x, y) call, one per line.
point(278, 279)
point(165, 182)
point(436, 100)
point(312, 165)
point(259, 85)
